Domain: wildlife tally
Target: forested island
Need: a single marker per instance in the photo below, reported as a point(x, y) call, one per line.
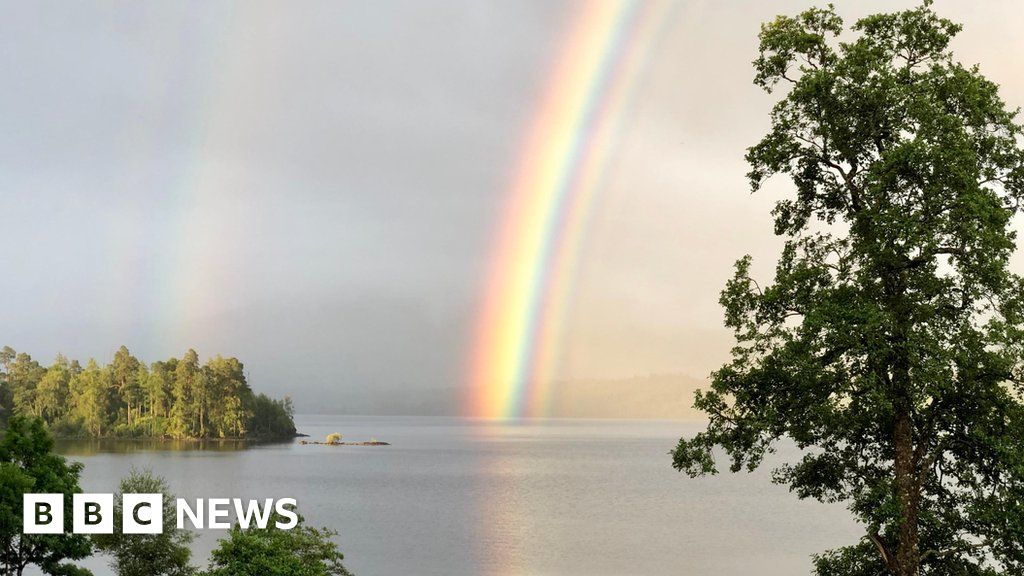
point(175, 398)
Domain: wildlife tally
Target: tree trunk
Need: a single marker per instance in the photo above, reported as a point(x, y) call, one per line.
point(908, 558)
point(907, 553)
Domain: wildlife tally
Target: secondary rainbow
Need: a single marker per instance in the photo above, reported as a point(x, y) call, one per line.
point(558, 177)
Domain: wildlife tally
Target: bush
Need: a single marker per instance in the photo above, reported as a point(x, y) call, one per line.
point(163, 554)
point(271, 551)
point(69, 427)
point(334, 438)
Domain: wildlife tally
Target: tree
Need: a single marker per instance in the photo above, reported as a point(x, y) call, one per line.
point(271, 551)
point(7, 355)
point(226, 379)
point(29, 465)
point(91, 397)
point(23, 376)
point(53, 389)
point(890, 346)
point(158, 388)
point(124, 372)
point(271, 418)
point(163, 554)
point(187, 378)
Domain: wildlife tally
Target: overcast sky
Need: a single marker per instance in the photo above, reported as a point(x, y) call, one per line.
point(314, 187)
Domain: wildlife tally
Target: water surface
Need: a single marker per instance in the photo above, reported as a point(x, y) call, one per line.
point(458, 497)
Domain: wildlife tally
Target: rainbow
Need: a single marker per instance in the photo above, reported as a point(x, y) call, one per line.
point(557, 180)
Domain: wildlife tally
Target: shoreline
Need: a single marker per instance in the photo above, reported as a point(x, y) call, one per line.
point(367, 443)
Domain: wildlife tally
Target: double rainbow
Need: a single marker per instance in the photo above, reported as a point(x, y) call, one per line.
point(561, 168)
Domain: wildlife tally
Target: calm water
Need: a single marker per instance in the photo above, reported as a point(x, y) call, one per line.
point(457, 497)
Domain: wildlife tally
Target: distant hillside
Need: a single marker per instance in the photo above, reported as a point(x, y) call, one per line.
point(668, 396)
point(663, 396)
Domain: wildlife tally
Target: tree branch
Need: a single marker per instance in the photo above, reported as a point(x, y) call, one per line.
point(882, 550)
point(965, 547)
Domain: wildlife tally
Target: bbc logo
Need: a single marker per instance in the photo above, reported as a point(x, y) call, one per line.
point(93, 513)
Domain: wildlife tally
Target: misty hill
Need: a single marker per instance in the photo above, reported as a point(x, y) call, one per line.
point(665, 396)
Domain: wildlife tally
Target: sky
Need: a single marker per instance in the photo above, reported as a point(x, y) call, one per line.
point(316, 187)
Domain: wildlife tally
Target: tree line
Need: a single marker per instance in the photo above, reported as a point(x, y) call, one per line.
point(174, 398)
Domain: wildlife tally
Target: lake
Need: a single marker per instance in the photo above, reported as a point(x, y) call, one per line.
point(461, 497)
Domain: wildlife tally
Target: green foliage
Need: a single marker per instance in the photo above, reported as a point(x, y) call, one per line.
point(23, 375)
point(7, 355)
point(91, 399)
point(890, 346)
point(334, 438)
point(271, 418)
point(124, 373)
point(165, 554)
point(173, 398)
point(300, 551)
point(53, 389)
point(29, 465)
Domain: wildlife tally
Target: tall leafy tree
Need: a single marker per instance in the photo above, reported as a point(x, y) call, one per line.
point(186, 379)
point(27, 465)
point(124, 371)
point(158, 388)
point(23, 376)
point(91, 398)
point(7, 355)
point(890, 345)
point(53, 390)
point(229, 415)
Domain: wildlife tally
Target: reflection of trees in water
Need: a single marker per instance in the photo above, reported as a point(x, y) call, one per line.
point(92, 446)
